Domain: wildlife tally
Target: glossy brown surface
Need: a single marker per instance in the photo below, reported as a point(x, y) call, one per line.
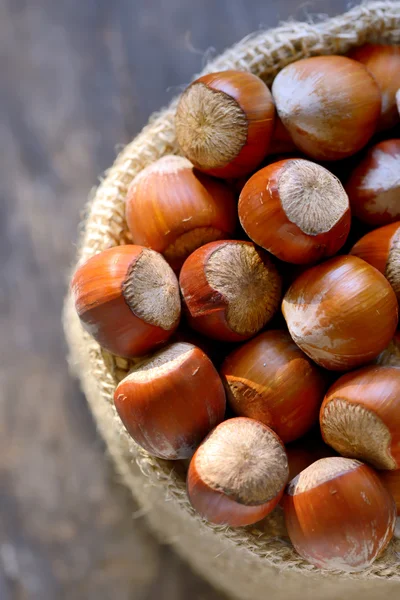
point(265, 222)
point(376, 389)
point(329, 104)
point(343, 523)
point(373, 186)
point(384, 64)
point(281, 142)
point(341, 295)
point(374, 247)
point(391, 481)
point(169, 409)
point(175, 201)
point(102, 307)
point(256, 102)
point(270, 379)
point(206, 308)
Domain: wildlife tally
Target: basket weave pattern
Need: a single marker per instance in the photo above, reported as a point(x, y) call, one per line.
point(246, 562)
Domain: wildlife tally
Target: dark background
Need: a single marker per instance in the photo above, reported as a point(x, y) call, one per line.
point(79, 78)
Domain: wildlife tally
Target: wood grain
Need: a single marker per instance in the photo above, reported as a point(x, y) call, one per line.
point(79, 79)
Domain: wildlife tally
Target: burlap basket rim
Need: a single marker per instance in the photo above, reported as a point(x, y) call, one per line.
point(264, 54)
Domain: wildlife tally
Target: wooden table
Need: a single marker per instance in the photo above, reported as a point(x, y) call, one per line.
point(79, 79)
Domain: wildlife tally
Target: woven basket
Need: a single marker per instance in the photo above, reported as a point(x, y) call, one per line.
point(247, 563)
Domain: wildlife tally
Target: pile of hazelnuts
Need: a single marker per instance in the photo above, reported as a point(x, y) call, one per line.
point(289, 305)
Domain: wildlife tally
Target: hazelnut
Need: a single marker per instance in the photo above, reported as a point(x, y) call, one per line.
point(270, 379)
point(329, 104)
point(374, 185)
point(238, 474)
point(224, 123)
point(341, 313)
point(381, 249)
point(175, 209)
point(297, 210)
point(383, 62)
point(339, 515)
point(230, 289)
point(127, 298)
point(360, 416)
point(169, 402)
